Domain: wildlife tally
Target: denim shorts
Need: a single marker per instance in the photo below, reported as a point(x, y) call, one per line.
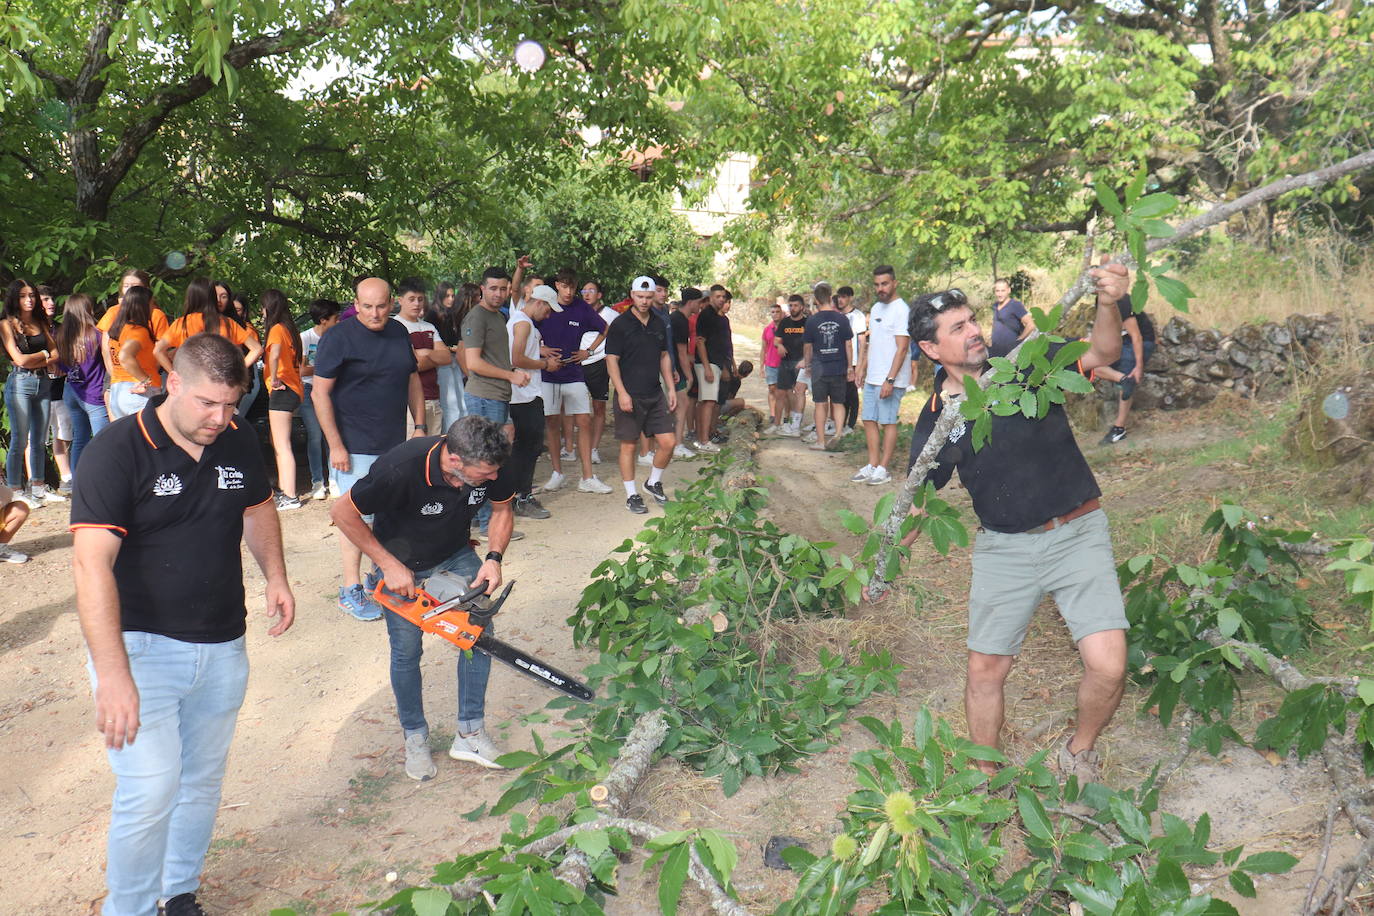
point(770, 374)
point(492, 409)
point(1126, 364)
point(1012, 572)
point(882, 411)
point(358, 466)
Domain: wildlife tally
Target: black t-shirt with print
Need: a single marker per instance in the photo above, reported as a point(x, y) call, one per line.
point(419, 518)
point(1028, 472)
point(791, 332)
point(179, 571)
point(1147, 327)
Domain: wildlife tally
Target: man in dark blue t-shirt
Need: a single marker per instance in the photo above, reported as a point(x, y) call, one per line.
point(828, 351)
point(1010, 320)
point(366, 378)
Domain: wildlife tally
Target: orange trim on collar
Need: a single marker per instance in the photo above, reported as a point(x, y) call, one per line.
point(429, 482)
point(144, 429)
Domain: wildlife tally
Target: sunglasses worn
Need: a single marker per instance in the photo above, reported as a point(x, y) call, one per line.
point(948, 299)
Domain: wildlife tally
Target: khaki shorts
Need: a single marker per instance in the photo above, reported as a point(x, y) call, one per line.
point(1012, 572)
point(708, 391)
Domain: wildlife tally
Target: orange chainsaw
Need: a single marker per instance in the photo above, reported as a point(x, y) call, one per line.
point(445, 606)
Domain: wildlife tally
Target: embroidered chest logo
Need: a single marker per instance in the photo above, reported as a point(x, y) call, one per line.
point(476, 496)
point(229, 478)
point(432, 509)
point(167, 485)
point(957, 433)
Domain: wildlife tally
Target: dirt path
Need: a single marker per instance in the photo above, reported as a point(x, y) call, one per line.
point(316, 810)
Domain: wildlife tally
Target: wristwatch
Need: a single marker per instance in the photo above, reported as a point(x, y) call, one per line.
point(892, 381)
point(417, 426)
point(494, 555)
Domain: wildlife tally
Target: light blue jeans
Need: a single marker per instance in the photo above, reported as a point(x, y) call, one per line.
point(451, 394)
point(314, 439)
point(28, 412)
point(406, 649)
point(87, 420)
point(167, 782)
point(123, 401)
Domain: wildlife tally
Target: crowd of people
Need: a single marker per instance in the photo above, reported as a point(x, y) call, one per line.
point(425, 416)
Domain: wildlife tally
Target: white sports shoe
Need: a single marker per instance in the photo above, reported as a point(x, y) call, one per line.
point(320, 492)
point(9, 555)
point(683, 452)
point(863, 474)
point(477, 748)
point(879, 477)
point(556, 480)
point(593, 485)
point(791, 430)
point(43, 494)
point(567, 455)
point(646, 460)
point(596, 456)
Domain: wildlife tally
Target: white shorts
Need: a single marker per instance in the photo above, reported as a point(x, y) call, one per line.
point(60, 421)
point(708, 391)
point(567, 398)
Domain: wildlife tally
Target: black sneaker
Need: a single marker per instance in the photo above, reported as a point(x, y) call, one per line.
point(1115, 434)
point(181, 905)
point(529, 507)
point(636, 505)
point(656, 491)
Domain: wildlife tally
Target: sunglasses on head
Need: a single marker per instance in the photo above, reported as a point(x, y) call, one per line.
point(950, 297)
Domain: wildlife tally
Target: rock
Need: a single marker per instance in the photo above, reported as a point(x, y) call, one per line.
point(1218, 369)
point(1209, 339)
point(1177, 331)
point(772, 852)
point(1172, 392)
point(1324, 439)
point(1278, 335)
point(1184, 353)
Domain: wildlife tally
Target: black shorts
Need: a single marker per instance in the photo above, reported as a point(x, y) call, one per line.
point(828, 388)
point(650, 417)
point(787, 374)
point(284, 399)
point(598, 380)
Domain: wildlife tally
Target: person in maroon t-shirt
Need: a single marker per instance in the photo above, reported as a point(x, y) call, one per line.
point(430, 352)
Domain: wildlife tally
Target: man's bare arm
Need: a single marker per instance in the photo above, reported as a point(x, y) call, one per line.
point(262, 534)
point(97, 606)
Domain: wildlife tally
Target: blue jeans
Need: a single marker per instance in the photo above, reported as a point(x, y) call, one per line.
point(492, 409)
point(167, 783)
point(123, 401)
point(28, 411)
point(254, 386)
point(314, 438)
point(451, 395)
point(473, 667)
point(87, 420)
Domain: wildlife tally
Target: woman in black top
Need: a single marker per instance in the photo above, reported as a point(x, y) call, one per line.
point(28, 341)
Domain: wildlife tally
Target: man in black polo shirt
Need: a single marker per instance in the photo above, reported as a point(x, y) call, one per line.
point(1042, 527)
point(637, 359)
point(164, 498)
point(423, 496)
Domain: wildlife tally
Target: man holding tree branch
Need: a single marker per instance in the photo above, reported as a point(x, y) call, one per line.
point(1042, 528)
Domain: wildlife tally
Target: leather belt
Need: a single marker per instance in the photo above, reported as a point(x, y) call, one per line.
point(1091, 505)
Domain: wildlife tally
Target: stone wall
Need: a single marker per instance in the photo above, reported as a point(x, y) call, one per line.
point(1190, 367)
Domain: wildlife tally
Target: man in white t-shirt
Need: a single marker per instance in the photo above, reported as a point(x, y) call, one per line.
point(858, 324)
point(526, 403)
point(594, 366)
point(885, 373)
point(430, 353)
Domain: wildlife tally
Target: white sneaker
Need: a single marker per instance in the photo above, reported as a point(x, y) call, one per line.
point(477, 749)
point(683, 452)
point(809, 438)
point(320, 492)
point(30, 499)
point(863, 474)
point(9, 555)
point(791, 430)
point(706, 447)
point(556, 480)
point(830, 427)
point(846, 431)
point(593, 485)
point(567, 455)
point(646, 460)
point(45, 495)
point(419, 761)
point(596, 456)
point(771, 429)
point(879, 476)
point(809, 428)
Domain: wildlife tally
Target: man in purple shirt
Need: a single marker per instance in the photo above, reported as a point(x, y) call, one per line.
point(564, 390)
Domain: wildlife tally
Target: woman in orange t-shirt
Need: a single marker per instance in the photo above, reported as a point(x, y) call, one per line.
point(282, 375)
point(202, 314)
point(134, 372)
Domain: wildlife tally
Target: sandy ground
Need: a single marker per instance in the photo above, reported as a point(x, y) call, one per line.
point(316, 810)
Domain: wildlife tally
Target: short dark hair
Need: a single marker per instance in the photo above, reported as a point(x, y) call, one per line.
point(495, 273)
point(744, 368)
point(565, 275)
point(884, 269)
point(729, 296)
point(716, 287)
point(796, 297)
point(659, 280)
point(597, 283)
point(475, 440)
point(412, 285)
point(213, 358)
point(822, 292)
point(44, 290)
point(845, 291)
point(321, 310)
point(924, 318)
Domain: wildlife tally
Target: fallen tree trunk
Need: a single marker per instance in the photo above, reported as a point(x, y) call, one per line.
point(646, 736)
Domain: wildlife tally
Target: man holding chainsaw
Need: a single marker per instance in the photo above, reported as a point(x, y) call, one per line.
point(423, 496)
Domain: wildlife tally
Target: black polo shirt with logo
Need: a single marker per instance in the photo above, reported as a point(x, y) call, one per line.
point(418, 517)
point(179, 570)
point(639, 347)
point(1028, 472)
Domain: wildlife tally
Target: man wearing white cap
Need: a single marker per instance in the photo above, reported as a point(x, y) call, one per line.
point(526, 403)
point(637, 360)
